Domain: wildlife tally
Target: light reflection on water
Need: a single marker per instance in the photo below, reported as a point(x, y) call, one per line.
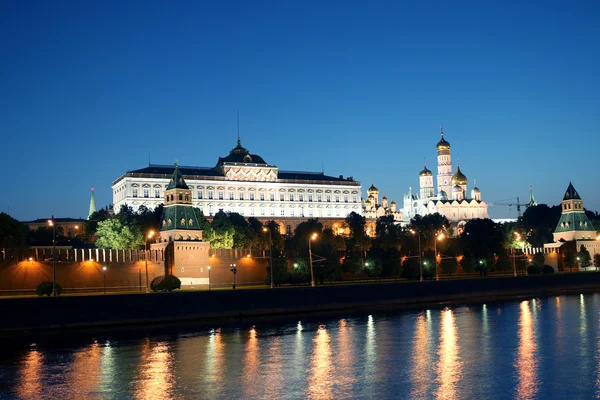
point(459, 352)
point(526, 363)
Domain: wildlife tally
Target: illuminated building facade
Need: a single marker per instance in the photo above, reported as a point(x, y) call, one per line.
point(244, 183)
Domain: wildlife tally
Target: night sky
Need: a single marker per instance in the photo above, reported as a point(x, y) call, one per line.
point(90, 90)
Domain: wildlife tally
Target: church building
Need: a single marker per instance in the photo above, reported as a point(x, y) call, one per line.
point(452, 199)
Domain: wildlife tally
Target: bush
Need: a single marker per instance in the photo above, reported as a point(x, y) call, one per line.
point(547, 269)
point(533, 270)
point(45, 289)
point(165, 283)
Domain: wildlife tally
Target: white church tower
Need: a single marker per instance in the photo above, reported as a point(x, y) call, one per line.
point(426, 183)
point(444, 178)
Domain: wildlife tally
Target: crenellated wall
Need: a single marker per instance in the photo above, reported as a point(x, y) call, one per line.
point(81, 269)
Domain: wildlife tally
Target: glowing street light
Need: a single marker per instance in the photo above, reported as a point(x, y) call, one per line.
point(150, 235)
point(104, 268)
point(208, 277)
point(312, 275)
point(414, 232)
point(53, 225)
point(439, 237)
point(265, 229)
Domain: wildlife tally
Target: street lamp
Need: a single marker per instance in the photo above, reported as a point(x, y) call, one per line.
point(209, 277)
point(234, 270)
point(53, 225)
point(414, 232)
point(148, 236)
point(312, 275)
point(104, 273)
point(265, 229)
point(439, 237)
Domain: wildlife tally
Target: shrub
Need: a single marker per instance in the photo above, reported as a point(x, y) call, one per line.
point(165, 283)
point(533, 270)
point(547, 269)
point(45, 288)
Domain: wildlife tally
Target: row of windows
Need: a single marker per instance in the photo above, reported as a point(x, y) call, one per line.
point(271, 211)
point(282, 196)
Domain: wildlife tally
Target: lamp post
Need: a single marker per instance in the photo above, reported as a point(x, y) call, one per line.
point(104, 273)
point(148, 236)
point(312, 275)
point(440, 237)
point(209, 277)
point(53, 225)
point(234, 270)
point(414, 232)
point(265, 229)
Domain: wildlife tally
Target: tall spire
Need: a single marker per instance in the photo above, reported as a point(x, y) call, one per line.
point(532, 201)
point(442, 130)
point(92, 204)
point(238, 126)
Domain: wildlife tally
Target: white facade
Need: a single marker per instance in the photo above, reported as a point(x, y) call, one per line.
point(245, 184)
point(452, 199)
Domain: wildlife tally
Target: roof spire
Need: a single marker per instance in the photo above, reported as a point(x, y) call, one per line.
point(92, 204)
point(425, 162)
point(532, 201)
point(442, 130)
point(238, 126)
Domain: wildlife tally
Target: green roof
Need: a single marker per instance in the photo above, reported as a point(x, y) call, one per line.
point(571, 193)
point(182, 216)
point(177, 181)
point(574, 221)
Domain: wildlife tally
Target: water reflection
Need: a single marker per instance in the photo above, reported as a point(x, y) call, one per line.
point(85, 370)
point(320, 381)
point(345, 357)
point(449, 368)
point(526, 363)
point(251, 363)
point(155, 371)
point(30, 378)
point(214, 364)
point(421, 359)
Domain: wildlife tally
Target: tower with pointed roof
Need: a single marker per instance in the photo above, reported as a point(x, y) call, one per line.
point(444, 177)
point(180, 220)
point(573, 223)
point(92, 204)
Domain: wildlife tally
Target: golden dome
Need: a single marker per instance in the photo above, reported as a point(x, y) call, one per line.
point(425, 172)
point(459, 178)
point(443, 144)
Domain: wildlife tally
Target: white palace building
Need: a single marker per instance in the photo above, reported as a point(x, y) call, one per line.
point(452, 199)
point(244, 183)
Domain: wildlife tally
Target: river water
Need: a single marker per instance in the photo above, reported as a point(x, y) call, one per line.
point(546, 348)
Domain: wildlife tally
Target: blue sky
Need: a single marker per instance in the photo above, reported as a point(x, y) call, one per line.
point(89, 90)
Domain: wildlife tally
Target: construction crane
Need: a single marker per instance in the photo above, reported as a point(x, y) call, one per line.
point(518, 203)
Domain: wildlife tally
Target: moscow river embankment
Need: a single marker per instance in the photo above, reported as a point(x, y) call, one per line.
point(36, 315)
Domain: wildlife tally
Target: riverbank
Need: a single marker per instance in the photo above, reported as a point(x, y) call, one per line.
point(34, 315)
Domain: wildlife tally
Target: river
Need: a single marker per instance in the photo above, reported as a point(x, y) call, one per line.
point(533, 349)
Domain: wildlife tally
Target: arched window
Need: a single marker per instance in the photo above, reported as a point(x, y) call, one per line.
point(190, 222)
point(183, 221)
point(180, 197)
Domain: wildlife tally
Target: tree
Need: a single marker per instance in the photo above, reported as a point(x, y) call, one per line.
point(410, 268)
point(467, 263)
point(13, 234)
point(583, 257)
point(388, 233)
point(597, 261)
point(356, 223)
point(539, 222)
point(222, 235)
point(352, 265)
point(429, 226)
point(569, 260)
point(482, 240)
point(91, 224)
point(112, 234)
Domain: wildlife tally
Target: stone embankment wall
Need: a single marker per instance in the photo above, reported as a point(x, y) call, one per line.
point(47, 313)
